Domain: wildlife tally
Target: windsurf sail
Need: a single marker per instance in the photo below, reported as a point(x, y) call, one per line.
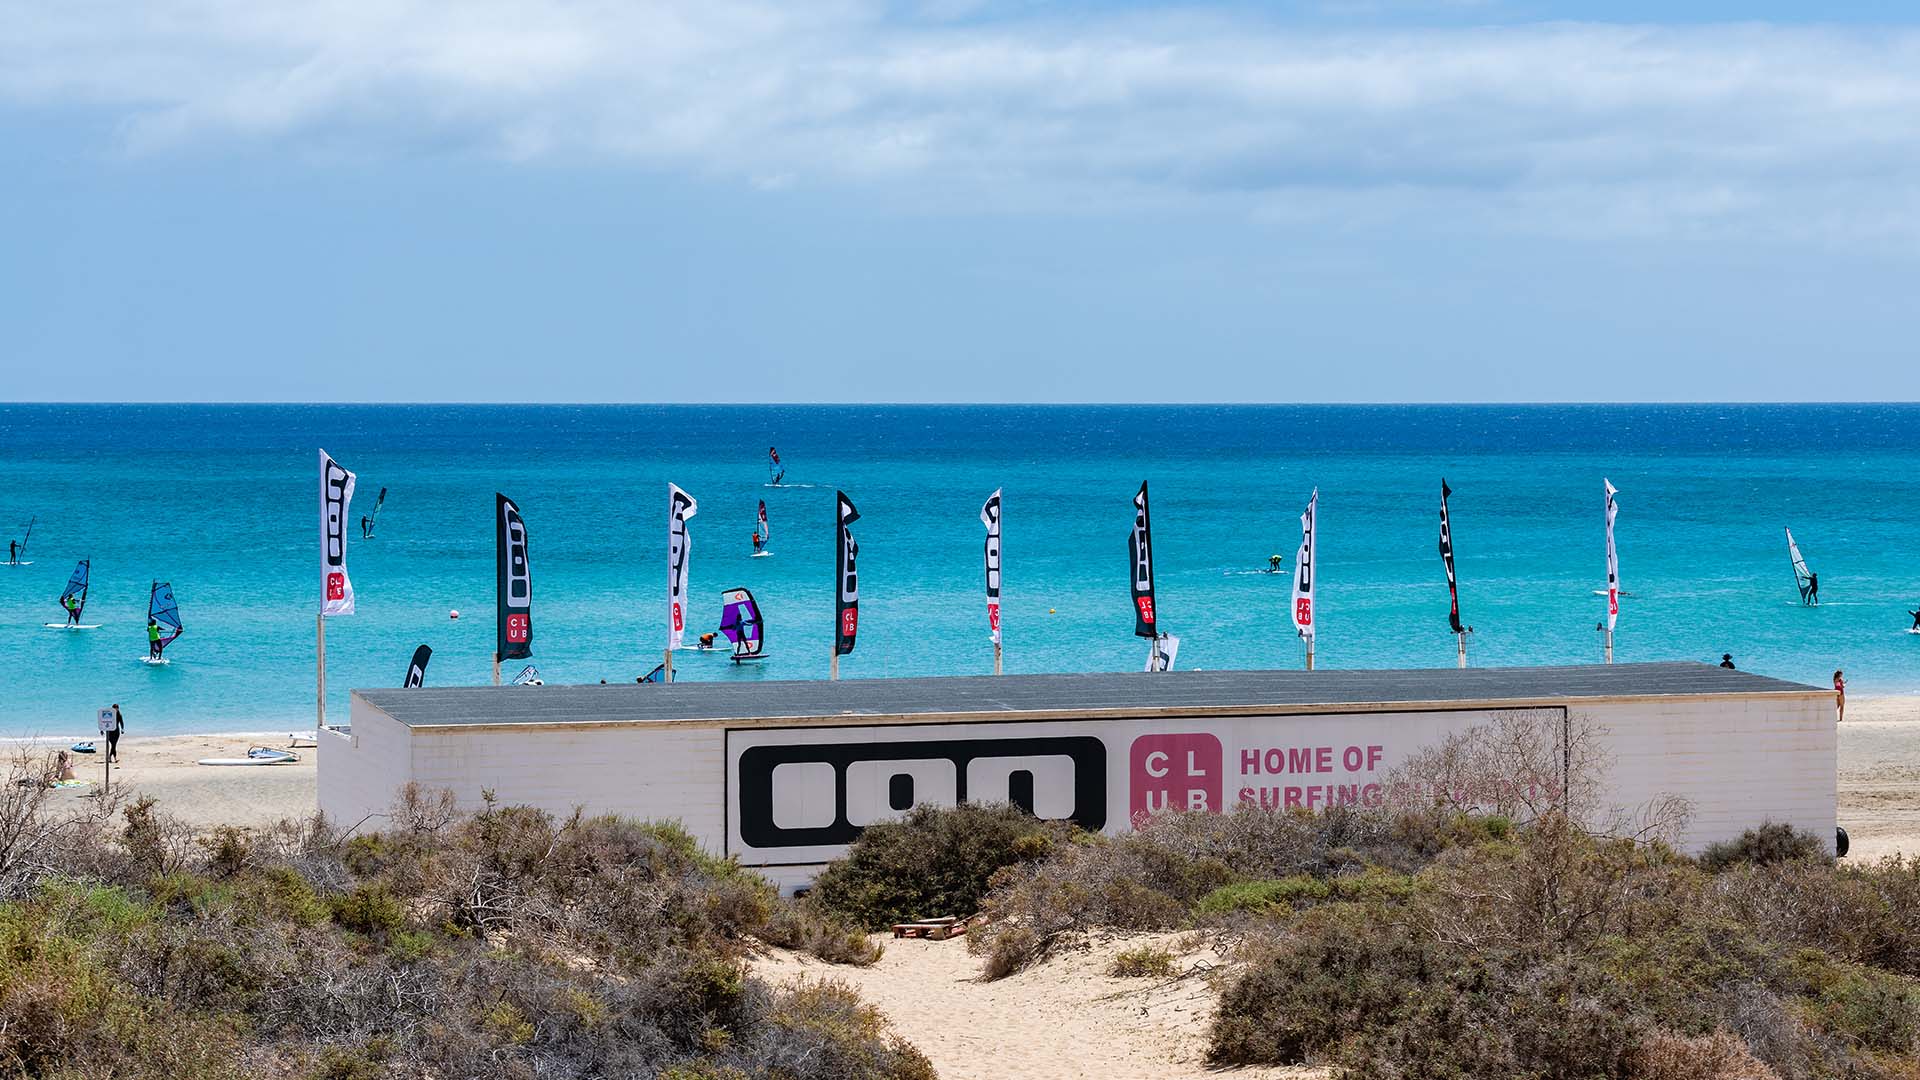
point(1140, 549)
point(1802, 576)
point(529, 676)
point(741, 623)
point(1166, 649)
point(1613, 559)
point(776, 472)
point(417, 668)
point(764, 530)
point(27, 537)
point(680, 507)
point(847, 579)
point(76, 589)
point(162, 609)
point(373, 519)
point(1446, 556)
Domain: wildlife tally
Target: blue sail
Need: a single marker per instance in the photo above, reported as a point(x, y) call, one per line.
point(162, 608)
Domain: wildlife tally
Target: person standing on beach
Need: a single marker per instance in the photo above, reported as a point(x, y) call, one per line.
point(1726, 661)
point(1840, 693)
point(113, 736)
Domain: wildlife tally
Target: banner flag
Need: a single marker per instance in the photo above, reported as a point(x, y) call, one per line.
point(680, 507)
point(336, 494)
point(1446, 555)
point(514, 595)
point(846, 578)
point(990, 517)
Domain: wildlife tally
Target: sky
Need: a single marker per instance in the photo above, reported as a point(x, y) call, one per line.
point(958, 200)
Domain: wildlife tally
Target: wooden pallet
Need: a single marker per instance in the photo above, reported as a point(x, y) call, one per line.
point(939, 929)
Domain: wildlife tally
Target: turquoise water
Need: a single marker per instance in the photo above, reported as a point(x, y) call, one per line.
point(220, 500)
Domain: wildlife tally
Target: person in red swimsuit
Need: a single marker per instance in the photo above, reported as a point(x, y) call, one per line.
point(1840, 692)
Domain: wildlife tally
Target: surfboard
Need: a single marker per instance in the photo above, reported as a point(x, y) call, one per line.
point(760, 555)
point(22, 562)
point(259, 755)
point(71, 626)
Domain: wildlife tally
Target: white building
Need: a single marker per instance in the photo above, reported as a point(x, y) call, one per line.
point(785, 774)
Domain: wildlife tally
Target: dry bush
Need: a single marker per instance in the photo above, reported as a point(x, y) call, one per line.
point(505, 944)
point(1717, 1056)
point(1142, 961)
point(1769, 843)
point(38, 839)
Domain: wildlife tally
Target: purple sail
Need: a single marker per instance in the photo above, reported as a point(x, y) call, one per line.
point(740, 621)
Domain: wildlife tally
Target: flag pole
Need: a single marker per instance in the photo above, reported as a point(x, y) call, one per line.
point(668, 666)
point(1461, 637)
point(496, 669)
point(996, 658)
point(1309, 652)
point(833, 672)
point(320, 668)
point(1609, 646)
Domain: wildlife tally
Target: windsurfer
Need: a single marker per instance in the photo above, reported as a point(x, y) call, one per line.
point(1813, 589)
point(759, 542)
point(366, 527)
point(706, 640)
point(1273, 564)
point(153, 639)
point(13, 552)
point(1916, 620)
point(72, 604)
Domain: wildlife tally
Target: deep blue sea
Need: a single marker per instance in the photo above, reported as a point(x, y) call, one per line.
point(221, 501)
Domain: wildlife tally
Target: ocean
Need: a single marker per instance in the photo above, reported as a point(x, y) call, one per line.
point(221, 501)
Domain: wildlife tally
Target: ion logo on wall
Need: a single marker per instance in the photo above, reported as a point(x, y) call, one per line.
point(798, 796)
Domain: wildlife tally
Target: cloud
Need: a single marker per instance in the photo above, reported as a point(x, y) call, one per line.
point(1552, 126)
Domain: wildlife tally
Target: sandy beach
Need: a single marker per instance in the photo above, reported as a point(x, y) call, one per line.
point(165, 767)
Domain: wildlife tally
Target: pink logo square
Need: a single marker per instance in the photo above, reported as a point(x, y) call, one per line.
point(1174, 772)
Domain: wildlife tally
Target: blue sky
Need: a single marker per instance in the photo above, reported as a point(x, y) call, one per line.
point(1356, 200)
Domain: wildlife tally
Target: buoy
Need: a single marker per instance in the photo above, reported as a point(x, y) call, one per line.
point(1049, 611)
point(454, 614)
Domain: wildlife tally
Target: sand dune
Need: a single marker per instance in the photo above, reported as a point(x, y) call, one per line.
point(1066, 1019)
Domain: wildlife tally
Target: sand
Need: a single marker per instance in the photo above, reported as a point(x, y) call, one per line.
point(1064, 1019)
point(1880, 776)
point(201, 795)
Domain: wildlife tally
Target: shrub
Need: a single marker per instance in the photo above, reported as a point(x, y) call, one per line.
point(1773, 842)
point(1721, 1055)
point(1142, 961)
point(932, 862)
point(803, 926)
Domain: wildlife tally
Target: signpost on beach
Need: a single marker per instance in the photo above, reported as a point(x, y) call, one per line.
point(108, 723)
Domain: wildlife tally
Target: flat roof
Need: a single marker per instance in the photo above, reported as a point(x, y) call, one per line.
point(1104, 694)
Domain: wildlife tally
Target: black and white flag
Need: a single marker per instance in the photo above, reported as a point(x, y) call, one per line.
point(846, 578)
point(336, 496)
point(680, 507)
point(514, 596)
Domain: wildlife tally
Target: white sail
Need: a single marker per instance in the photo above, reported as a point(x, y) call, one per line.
point(1802, 577)
point(1613, 559)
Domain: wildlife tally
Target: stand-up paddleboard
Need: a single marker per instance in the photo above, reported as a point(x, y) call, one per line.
point(258, 755)
point(71, 626)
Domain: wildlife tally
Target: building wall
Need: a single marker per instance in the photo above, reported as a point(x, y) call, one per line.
point(1736, 760)
point(360, 773)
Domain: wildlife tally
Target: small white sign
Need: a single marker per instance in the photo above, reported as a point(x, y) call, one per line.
point(106, 721)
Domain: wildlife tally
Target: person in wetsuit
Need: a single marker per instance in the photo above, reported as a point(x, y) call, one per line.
point(1813, 588)
point(1273, 564)
point(13, 551)
point(1916, 619)
point(366, 527)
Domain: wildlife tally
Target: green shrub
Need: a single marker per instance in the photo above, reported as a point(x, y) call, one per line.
point(1773, 842)
point(1142, 961)
point(370, 909)
point(932, 862)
